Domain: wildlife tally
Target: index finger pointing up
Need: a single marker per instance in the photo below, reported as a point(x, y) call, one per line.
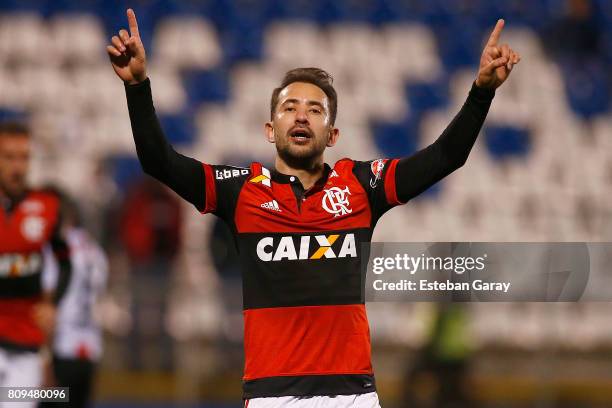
point(496, 33)
point(132, 23)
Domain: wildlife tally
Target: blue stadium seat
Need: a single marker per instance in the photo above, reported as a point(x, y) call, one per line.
point(526, 13)
point(426, 96)
point(399, 10)
point(126, 170)
point(436, 12)
point(296, 9)
point(206, 86)
point(503, 141)
point(39, 6)
point(459, 43)
point(587, 86)
point(383, 13)
point(179, 129)
point(606, 46)
point(84, 6)
point(348, 11)
point(12, 115)
point(148, 14)
point(396, 139)
point(242, 41)
point(188, 7)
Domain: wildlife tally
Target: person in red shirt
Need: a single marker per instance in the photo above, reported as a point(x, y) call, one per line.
point(30, 244)
point(299, 226)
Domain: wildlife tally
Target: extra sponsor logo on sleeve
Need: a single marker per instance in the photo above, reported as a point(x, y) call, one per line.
point(377, 167)
point(230, 173)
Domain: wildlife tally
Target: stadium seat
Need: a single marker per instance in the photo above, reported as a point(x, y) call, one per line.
point(459, 43)
point(170, 94)
point(242, 42)
point(588, 87)
point(396, 139)
point(179, 128)
point(78, 39)
point(410, 52)
point(24, 39)
point(126, 170)
point(206, 86)
point(503, 142)
point(425, 97)
point(295, 44)
point(186, 43)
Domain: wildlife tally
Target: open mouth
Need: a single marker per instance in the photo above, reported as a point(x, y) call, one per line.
point(300, 134)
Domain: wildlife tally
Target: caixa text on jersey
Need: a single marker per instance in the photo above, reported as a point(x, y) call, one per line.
point(15, 265)
point(306, 247)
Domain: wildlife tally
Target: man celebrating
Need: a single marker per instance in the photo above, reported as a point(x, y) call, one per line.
point(299, 226)
point(31, 247)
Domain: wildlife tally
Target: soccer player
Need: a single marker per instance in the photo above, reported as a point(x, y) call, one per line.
point(30, 243)
point(299, 226)
point(77, 338)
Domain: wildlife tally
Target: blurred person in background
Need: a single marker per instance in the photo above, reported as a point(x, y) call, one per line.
point(77, 338)
point(439, 376)
point(576, 42)
point(31, 244)
point(298, 226)
point(150, 231)
point(577, 34)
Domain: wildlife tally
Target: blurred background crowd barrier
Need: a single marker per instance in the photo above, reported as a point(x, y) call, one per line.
point(540, 171)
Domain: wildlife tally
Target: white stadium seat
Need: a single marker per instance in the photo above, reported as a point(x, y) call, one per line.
point(78, 39)
point(24, 39)
point(186, 42)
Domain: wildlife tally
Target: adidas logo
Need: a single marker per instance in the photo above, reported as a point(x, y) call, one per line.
point(271, 205)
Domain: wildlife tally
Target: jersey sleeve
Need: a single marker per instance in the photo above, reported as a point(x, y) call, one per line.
point(62, 264)
point(50, 270)
point(377, 177)
point(223, 185)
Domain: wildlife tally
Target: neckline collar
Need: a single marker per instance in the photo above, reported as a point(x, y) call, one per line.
point(8, 204)
point(279, 177)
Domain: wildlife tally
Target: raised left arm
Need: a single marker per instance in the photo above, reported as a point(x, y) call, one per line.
point(416, 173)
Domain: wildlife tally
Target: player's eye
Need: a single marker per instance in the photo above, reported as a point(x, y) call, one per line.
point(289, 109)
point(315, 110)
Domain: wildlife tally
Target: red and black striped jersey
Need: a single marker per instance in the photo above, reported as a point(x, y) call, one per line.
point(306, 329)
point(28, 236)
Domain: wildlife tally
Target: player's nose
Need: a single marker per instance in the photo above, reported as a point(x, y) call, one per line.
point(300, 116)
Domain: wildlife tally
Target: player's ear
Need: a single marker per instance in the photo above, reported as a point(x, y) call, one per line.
point(334, 135)
point(269, 129)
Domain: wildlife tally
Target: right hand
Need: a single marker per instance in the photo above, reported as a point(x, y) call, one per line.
point(127, 54)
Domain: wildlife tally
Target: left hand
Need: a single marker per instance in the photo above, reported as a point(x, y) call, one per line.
point(496, 61)
point(44, 316)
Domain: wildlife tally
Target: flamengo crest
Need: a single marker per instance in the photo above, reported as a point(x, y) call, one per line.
point(33, 228)
point(335, 201)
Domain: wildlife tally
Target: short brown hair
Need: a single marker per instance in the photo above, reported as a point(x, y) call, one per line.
point(10, 128)
point(315, 76)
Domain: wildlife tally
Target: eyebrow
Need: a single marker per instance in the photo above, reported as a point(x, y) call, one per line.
point(309, 103)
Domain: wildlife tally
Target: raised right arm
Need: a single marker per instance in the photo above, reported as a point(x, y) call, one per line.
point(158, 159)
